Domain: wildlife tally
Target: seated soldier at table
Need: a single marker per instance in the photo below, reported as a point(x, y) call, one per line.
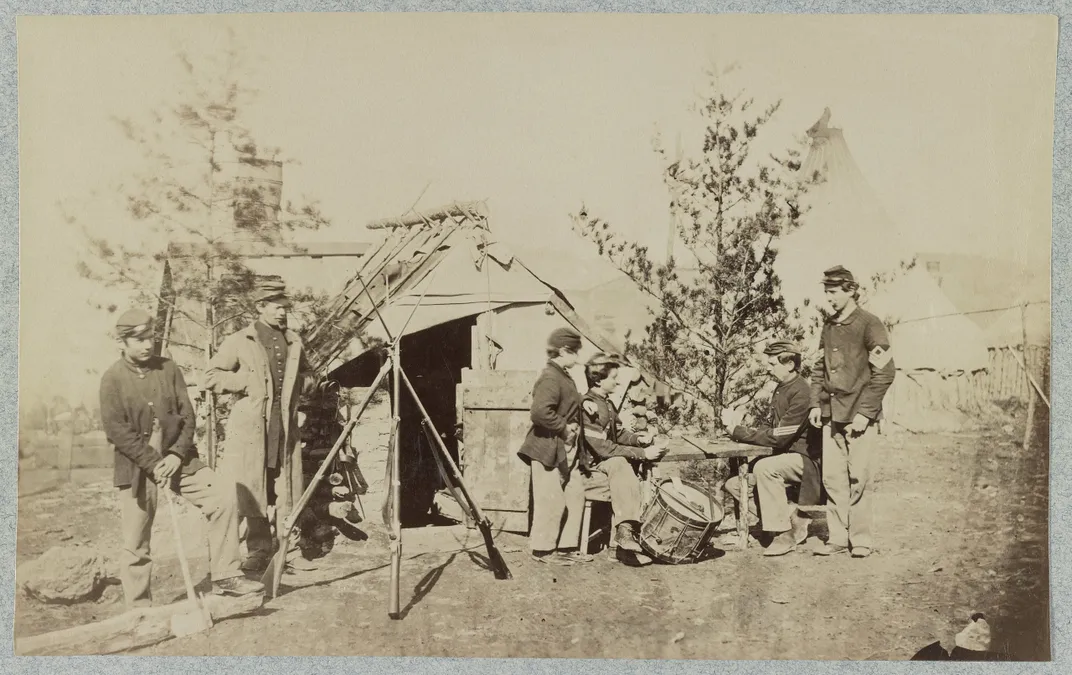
point(796, 451)
point(607, 451)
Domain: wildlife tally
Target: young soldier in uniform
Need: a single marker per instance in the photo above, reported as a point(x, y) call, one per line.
point(851, 375)
point(607, 451)
point(135, 391)
point(263, 367)
point(795, 452)
point(550, 451)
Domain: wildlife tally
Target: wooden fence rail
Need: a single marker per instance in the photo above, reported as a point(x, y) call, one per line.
point(1004, 379)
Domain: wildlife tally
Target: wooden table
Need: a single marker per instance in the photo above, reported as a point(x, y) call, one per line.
point(688, 448)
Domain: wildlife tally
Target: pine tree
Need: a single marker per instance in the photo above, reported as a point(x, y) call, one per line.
point(730, 207)
point(196, 192)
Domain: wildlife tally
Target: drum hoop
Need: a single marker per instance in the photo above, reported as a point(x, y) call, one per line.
point(689, 517)
point(659, 512)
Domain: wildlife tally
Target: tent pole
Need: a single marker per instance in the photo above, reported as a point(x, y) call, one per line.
point(1030, 387)
point(395, 491)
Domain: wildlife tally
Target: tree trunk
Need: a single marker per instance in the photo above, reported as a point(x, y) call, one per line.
point(130, 630)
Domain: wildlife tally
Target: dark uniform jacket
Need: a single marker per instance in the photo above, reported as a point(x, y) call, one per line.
point(603, 434)
point(854, 368)
point(791, 432)
point(555, 402)
point(127, 417)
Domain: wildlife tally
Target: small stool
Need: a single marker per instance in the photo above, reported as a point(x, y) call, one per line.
point(586, 524)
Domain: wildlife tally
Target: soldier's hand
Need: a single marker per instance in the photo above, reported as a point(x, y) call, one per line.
point(655, 452)
point(731, 417)
point(816, 417)
point(644, 439)
point(166, 468)
point(859, 424)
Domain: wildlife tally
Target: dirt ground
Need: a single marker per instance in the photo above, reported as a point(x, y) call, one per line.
point(961, 523)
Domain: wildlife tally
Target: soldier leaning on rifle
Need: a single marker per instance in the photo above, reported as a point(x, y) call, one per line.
point(796, 448)
point(137, 389)
point(550, 451)
point(607, 451)
point(851, 376)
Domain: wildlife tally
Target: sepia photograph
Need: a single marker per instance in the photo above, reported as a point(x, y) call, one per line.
point(593, 336)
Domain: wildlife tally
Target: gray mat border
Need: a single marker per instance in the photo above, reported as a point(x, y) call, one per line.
point(1060, 471)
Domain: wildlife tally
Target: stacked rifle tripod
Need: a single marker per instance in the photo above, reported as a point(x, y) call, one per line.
point(392, 518)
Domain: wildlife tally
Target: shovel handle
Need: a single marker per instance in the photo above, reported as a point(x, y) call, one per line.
point(190, 593)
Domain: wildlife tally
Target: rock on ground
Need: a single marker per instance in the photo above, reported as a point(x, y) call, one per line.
point(64, 575)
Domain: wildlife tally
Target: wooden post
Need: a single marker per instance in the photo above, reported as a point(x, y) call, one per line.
point(67, 442)
point(1027, 379)
point(395, 495)
point(210, 396)
point(68, 449)
point(745, 503)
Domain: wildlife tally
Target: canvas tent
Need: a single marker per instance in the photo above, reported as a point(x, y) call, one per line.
point(473, 348)
point(449, 266)
point(1006, 328)
point(939, 352)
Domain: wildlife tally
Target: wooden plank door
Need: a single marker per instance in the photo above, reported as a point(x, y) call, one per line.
point(493, 406)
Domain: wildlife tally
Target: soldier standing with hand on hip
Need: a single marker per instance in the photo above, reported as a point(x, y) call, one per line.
point(263, 367)
point(136, 391)
point(848, 381)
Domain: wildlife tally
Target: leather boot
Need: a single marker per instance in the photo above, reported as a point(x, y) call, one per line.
point(781, 545)
point(799, 526)
point(632, 558)
point(627, 538)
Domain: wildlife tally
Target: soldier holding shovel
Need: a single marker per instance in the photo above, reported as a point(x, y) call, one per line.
point(135, 390)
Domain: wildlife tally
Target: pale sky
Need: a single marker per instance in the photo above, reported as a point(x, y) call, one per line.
point(949, 118)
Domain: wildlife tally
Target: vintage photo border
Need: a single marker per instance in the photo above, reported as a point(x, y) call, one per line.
point(1061, 429)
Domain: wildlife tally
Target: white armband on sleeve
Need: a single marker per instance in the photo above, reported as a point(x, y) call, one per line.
point(880, 356)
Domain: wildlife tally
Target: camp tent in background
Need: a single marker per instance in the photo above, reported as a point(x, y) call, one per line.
point(939, 352)
point(612, 301)
point(1007, 327)
point(844, 224)
point(1010, 301)
point(474, 320)
point(941, 356)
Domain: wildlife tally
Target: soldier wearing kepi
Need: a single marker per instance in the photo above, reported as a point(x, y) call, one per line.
point(263, 367)
point(606, 453)
point(796, 448)
point(550, 451)
point(135, 391)
point(848, 382)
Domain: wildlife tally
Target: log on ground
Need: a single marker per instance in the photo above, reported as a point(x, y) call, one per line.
point(130, 630)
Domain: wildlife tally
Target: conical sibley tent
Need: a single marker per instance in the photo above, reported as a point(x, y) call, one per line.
point(845, 224)
point(939, 352)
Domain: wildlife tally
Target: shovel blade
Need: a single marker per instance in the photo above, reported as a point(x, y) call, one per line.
point(189, 623)
point(196, 619)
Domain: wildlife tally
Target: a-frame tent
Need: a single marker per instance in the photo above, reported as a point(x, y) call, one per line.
point(475, 321)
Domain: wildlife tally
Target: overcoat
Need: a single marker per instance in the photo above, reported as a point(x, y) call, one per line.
point(240, 368)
